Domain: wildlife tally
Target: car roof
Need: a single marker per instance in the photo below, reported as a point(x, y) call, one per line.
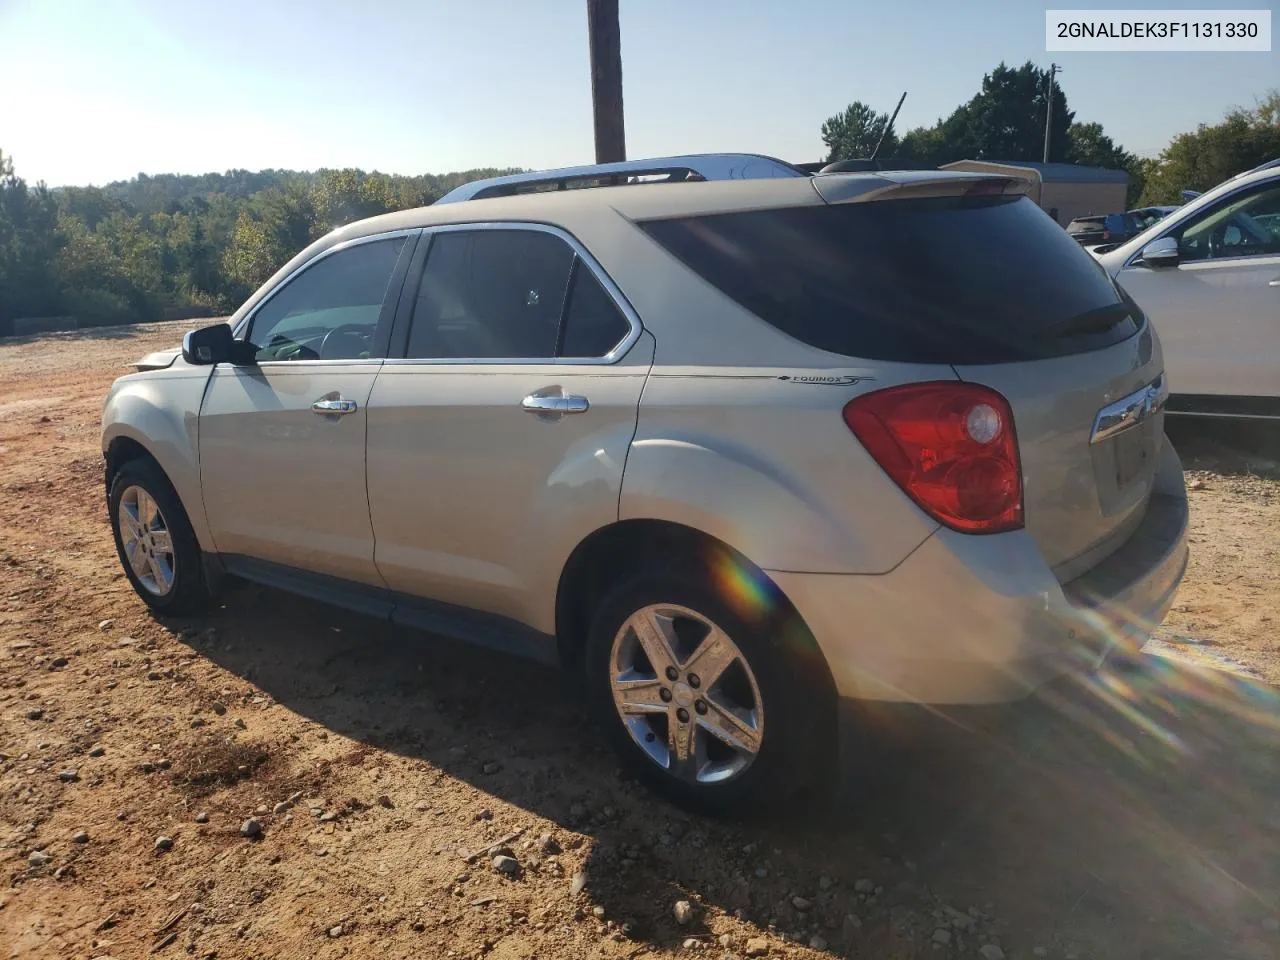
point(650, 201)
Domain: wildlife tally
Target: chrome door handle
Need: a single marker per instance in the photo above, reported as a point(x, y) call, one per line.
point(334, 407)
point(537, 403)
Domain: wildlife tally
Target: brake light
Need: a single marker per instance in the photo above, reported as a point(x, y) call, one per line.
point(950, 446)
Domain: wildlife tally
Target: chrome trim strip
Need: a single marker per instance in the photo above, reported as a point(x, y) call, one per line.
point(247, 321)
point(619, 299)
point(1129, 411)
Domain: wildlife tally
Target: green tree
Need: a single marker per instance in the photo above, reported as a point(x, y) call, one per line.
point(855, 132)
point(1089, 146)
point(1208, 155)
point(28, 245)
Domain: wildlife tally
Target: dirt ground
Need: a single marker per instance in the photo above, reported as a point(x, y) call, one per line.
point(1128, 815)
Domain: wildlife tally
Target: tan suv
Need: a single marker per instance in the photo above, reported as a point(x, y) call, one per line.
point(731, 450)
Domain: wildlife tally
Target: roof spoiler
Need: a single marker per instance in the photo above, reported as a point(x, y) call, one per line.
point(911, 185)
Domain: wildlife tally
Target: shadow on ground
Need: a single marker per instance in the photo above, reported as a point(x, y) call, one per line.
point(1225, 447)
point(1132, 815)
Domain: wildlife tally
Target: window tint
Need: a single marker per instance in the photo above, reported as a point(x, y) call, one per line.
point(593, 324)
point(330, 310)
point(490, 294)
point(951, 280)
point(1243, 226)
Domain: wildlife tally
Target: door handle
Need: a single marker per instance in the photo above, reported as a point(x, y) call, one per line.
point(538, 403)
point(334, 407)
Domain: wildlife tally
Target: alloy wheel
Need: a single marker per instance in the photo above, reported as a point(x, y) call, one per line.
point(148, 546)
point(686, 694)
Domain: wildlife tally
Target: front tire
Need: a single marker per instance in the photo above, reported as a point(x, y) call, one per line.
point(154, 540)
point(713, 706)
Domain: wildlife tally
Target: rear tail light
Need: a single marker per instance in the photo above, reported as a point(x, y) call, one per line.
point(950, 446)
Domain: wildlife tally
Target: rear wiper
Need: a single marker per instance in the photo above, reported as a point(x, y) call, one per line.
point(1099, 320)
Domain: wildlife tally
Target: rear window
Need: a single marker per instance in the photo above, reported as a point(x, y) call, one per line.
point(963, 280)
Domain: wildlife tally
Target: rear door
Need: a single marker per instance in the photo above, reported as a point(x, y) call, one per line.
point(282, 441)
point(498, 433)
point(1218, 310)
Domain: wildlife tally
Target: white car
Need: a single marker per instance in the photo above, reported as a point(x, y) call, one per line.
point(1208, 277)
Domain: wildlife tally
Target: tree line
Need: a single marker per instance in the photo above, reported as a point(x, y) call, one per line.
point(176, 245)
point(1005, 120)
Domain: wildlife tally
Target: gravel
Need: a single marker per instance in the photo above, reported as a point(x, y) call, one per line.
point(202, 817)
point(504, 864)
point(251, 828)
point(757, 947)
point(164, 843)
point(864, 886)
point(942, 935)
point(68, 776)
point(990, 951)
point(80, 836)
point(683, 911)
point(38, 858)
point(816, 942)
point(801, 904)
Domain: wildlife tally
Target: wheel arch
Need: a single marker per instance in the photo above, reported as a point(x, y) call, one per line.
point(137, 424)
point(612, 552)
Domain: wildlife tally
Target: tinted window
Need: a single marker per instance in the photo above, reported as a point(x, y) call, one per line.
point(490, 294)
point(953, 280)
point(330, 310)
point(593, 324)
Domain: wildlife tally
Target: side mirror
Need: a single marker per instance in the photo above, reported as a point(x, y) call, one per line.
point(1161, 253)
point(216, 344)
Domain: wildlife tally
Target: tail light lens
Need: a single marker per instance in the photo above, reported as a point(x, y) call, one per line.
point(950, 446)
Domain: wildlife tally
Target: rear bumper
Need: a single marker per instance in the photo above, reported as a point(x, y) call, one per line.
point(972, 620)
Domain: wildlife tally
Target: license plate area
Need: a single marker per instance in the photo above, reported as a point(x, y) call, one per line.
point(1133, 453)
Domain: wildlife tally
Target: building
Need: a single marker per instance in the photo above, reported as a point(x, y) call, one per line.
point(1064, 190)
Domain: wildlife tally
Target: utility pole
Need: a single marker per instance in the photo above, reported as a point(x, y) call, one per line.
point(606, 79)
point(1054, 70)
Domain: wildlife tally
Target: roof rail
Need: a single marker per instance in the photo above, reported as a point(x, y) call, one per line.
point(702, 166)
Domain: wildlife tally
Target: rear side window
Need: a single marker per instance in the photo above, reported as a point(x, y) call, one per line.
point(962, 280)
point(491, 294)
point(593, 324)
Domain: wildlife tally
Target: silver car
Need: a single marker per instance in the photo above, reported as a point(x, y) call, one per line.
point(732, 452)
point(1208, 276)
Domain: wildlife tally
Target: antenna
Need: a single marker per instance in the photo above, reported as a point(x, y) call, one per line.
point(888, 126)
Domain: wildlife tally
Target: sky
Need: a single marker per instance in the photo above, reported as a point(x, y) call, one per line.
point(100, 90)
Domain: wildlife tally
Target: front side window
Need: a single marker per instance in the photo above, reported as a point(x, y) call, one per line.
point(1243, 226)
point(329, 311)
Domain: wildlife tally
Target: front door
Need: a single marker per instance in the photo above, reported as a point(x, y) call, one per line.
point(1218, 311)
point(282, 441)
point(497, 440)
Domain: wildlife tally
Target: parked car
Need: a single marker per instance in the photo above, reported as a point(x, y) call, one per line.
point(730, 452)
point(1103, 228)
point(1146, 216)
point(1208, 276)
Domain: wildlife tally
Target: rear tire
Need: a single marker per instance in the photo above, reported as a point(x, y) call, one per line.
point(154, 540)
point(773, 698)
